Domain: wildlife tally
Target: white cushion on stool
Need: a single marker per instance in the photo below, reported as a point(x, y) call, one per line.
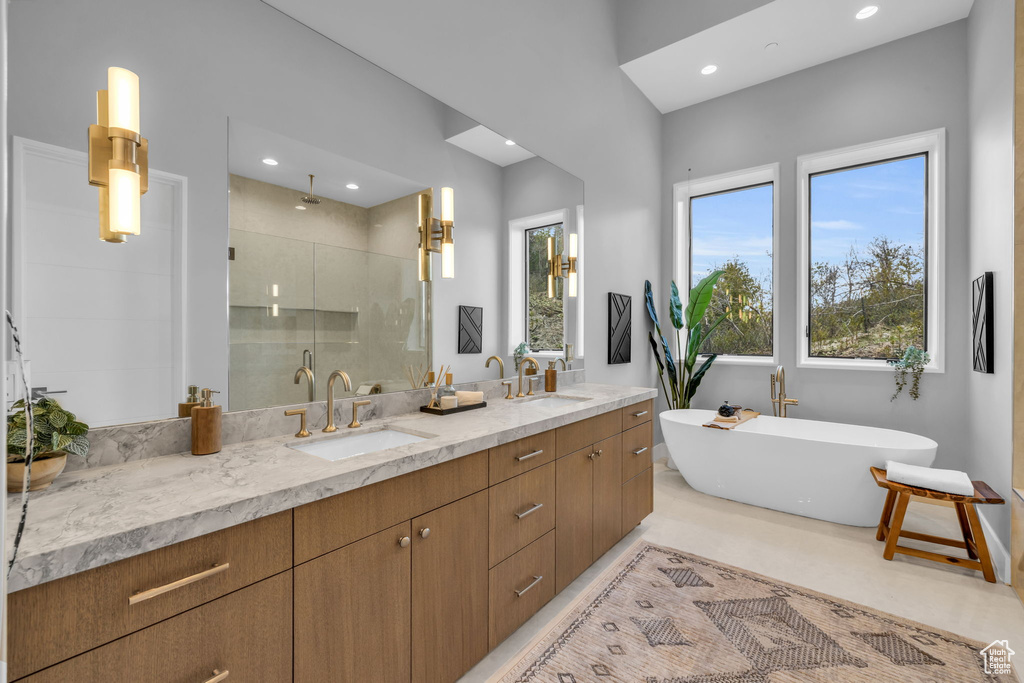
point(947, 481)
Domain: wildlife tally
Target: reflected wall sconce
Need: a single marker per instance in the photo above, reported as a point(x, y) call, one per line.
point(440, 232)
point(557, 269)
point(119, 156)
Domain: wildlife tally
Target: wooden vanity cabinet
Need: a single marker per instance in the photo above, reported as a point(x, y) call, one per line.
point(408, 603)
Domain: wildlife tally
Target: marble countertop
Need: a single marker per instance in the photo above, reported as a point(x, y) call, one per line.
point(93, 517)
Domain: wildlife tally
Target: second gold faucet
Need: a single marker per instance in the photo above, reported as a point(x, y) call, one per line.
point(330, 397)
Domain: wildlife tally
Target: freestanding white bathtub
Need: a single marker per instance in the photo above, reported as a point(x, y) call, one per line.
point(805, 467)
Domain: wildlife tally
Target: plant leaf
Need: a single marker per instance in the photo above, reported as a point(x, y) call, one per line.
point(693, 346)
point(675, 307)
point(657, 354)
point(695, 380)
point(76, 428)
point(700, 298)
point(57, 418)
point(17, 438)
point(649, 296)
point(79, 446)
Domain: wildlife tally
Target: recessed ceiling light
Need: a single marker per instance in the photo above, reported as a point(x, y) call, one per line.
point(352, 186)
point(270, 162)
point(868, 11)
point(771, 46)
point(509, 143)
point(301, 208)
point(709, 69)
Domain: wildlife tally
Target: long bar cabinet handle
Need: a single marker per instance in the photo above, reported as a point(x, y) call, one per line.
point(640, 414)
point(639, 451)
point(538, 506)
point(536, 580)
point(528, 456)
point(142, 596)
point(218, 676)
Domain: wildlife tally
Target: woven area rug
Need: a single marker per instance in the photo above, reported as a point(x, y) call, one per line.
point(659, 615)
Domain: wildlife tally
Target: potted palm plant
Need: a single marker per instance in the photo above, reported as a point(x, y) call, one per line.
point(56, 432)
point(685, 377)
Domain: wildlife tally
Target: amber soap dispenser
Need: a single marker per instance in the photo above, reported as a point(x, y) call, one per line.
point(206, 425)
point(551, 377)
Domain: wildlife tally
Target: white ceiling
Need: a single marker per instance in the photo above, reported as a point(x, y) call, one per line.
point(248, 145)
point(485, 143)
point(809, 32)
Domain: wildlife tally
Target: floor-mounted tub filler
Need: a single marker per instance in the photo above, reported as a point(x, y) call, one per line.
point(805, 467)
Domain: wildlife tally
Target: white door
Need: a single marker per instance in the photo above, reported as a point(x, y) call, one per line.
point(101, 321)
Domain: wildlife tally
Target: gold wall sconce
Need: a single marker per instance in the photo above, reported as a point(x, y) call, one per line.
point(119, 156)
point(440, 232)
point(557, 269)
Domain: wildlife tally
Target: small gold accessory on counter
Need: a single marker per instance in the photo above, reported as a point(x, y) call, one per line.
point(206, 425)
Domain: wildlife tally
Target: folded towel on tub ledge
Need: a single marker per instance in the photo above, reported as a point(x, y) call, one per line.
point(745, 416)
point(947, 481)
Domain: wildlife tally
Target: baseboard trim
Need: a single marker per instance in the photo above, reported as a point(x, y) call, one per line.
point(996, 550)
point(661, 453)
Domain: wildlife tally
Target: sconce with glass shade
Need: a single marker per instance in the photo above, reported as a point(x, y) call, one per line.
point(564, 270)
point(437, 231)
point(119, 157)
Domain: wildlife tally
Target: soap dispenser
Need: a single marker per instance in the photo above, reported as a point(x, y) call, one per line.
point(185, 409)
point(206, 425)
point(551, 377)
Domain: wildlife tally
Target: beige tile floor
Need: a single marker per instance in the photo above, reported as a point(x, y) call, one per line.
point(839, 560)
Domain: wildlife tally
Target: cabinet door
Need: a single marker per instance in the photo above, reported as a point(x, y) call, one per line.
point(607, 495)
point(574, 516)
point(449, 590)
point(352, 612)
point(637, 499)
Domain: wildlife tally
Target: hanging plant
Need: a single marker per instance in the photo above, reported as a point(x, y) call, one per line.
point(913, 362)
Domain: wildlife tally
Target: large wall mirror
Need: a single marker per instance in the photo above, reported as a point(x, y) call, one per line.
point(247, 270)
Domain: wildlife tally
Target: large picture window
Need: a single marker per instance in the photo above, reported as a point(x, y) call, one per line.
point(728, 223)
point(870, 253)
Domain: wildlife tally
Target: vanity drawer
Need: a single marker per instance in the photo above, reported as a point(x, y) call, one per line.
point(573, 437)
point(247, 634)
point(53, 621)
point(522, 510)
point(637, 444)
point(637, 499)
point(520, 586)
point(334, 522)
point(520, 456)
point(637, 414)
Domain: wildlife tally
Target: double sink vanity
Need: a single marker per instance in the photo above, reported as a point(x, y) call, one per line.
point(402, 551)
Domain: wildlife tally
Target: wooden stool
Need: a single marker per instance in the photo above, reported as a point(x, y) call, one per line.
point(895, 508)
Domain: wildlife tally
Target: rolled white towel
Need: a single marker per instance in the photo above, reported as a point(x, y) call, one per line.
point(468, 398)
point(947, 481)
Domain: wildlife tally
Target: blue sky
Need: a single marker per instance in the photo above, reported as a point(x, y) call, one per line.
point(849, 208)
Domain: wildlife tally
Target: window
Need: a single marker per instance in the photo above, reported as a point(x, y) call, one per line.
point(545, 320)
point(728, 223)
point(871, 252)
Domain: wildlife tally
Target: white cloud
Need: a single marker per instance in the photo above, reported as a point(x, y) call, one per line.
point(837, 225)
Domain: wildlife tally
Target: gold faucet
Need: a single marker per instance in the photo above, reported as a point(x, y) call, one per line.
point(501, 366)
point(508, 385)
point(355, 424)
point(779, 400)
point(301, 412)
point(330, 397)
point(309, 377)
point(562, 361)
point(522, 366)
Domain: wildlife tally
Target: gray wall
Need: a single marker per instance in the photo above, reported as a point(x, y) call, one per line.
point(907, 86)
point(201, 63)
point(546, 75)
point(990, 100)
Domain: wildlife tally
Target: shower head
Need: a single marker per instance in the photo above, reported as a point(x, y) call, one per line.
point(310, 199)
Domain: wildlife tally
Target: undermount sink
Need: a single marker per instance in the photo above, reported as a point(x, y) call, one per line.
point(342, 447)
point(553, 402)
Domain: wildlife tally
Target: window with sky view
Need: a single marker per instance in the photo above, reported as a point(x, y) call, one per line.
point(732, 231)
point(867, 259)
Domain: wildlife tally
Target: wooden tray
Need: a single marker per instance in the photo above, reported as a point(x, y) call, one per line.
point(452, 411)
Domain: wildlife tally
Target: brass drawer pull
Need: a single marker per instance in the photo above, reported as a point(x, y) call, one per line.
point(528, 456)
point(174, 585)
point(218, 676)
point(536, 580)
point(640, 414)
point(639, 451)
point(520, 515)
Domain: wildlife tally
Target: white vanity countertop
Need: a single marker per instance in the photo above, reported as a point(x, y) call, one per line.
point(93, 517)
